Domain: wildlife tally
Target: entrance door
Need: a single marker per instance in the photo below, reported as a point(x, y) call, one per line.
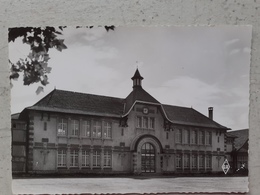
point(148, 158)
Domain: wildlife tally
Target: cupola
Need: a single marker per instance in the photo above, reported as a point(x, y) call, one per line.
point(137, 79)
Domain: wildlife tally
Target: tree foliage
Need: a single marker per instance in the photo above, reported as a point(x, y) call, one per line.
point(35, 67)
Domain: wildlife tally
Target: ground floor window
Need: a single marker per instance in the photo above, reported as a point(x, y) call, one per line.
point(201, 161)
point(96, 158)
point(61, 158)
point(178, 161)
point(208, 162)
point(107, 159)
point(186, 161)
point(194, 161)
point(74, 158)
point(85, 158)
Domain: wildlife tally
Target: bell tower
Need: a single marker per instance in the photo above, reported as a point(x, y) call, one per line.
point(137, 79)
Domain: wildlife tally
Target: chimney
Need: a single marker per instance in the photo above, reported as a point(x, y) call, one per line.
point(211, 113)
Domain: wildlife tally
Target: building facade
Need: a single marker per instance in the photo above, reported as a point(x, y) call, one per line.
point(71, 132)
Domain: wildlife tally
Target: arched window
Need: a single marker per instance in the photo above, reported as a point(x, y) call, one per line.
point(148, 158)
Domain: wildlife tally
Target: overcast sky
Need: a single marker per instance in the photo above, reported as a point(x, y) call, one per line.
point(196, 67)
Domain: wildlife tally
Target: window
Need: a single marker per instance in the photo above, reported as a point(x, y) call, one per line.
point(85, 158)
point(178, 161)
point(62, 127)
point(167, 135)
point(178, 136)
point(96, 158)
point(86, 128)
point(108, 130)
point(185, 136)
point(74, 127)
point(151, 123)
point(145, 122)
point(194, 137)
point(208, 138)
point(218, 139)
point(107, 159)
point(45, 126)
point(74, 158)
point(122, 132)
point(194, 161)
point(186, 159)
point(139, 122)
point(97, 129)
point(201, 161)
point(201, 138)
point(208, 162)
point(61, 158)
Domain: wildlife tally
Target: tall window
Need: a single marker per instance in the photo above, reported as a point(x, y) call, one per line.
point(186, 136)
point(145, 122)
point(45, 126)
point(62, 126)
point(201, 161)
point(194, 137)
point(97, 129)
point(86, 128)
point(208, 138)
point(74, 158)
point(178, 161)
point(61, 158)
point(186, 159)
point(108, 130)
point(96, 158)
point(107, 159)
point(139, 122)
point(85, 158)
point(178, 136)
point(208, 162)
point(151, 123)
point(74, 127)
point(194, 161)
point(201, 137)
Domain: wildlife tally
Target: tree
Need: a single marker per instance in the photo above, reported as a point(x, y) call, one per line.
point(35, 67)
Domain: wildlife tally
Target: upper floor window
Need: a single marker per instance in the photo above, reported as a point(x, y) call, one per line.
point(45, 126)
point(97, 129)
point(186, 136)
point(62, 126)
point(151, 123)
point(194, 137)
point(107, 130)
point(145, 122)
point(86, 128)
point(74, 127)
point(208, 138)
point(201, 137)
point(178, 136)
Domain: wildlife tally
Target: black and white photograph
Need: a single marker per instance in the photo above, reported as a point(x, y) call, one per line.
point(113, 109)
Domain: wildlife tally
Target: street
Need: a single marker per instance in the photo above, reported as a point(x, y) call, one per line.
point(129, 185)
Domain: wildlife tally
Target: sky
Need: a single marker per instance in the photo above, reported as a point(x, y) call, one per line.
point(196, 67)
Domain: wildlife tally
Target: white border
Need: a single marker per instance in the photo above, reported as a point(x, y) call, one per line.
point(15, 13)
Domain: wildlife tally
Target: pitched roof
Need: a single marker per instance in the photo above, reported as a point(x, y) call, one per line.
point(189, 116)
point(242, 137)
point(80, 103)
point(138, 94)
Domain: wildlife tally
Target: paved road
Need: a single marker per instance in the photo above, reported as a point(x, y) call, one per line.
point(130, 185)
